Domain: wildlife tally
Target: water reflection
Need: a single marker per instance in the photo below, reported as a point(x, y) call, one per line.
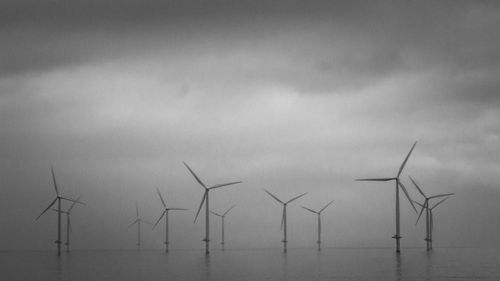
point(284, 266)
point(399, 273)
point(205, 268)
point(428, 265)
point(58, 269)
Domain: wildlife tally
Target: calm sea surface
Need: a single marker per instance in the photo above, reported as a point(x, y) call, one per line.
point(263, 264)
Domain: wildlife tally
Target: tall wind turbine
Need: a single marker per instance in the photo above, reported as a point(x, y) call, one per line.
point(68, 222)
point(204, 200)
point(165, 213)
point(138, 221)
point(283, 216)
point(319, 221)
point(427, 212)
point(432, 218)
point(58, 199)
point(397, 236)
point(222, 217)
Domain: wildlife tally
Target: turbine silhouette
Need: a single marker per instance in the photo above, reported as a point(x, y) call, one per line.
point(138, 221)
point(283, 216)
point(58, 199)
point(223, 216)
point(165, 213)
point(428, 212)
point(204, 200)
point(399, 184)
point(318, 213)
point(68, 222)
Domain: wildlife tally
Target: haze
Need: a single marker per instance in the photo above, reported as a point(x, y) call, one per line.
point(285, 95)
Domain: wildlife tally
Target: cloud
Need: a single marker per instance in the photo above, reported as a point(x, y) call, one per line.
point(290, 97)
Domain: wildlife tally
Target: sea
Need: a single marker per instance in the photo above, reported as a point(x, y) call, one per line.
point(256, 264)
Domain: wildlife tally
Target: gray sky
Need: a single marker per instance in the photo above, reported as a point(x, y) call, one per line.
point(290, 96)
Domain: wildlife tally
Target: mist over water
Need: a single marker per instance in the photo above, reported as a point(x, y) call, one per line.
point(258, 264)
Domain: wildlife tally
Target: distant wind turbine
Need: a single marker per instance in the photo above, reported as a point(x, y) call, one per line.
point(68, 222)
point(138, 221)
point(319, 221)
point(283, 216)
point(397, 236)
point(204, 200)
point(222, 217)
point(59, 211)
point(165, 213)
point(428, 212)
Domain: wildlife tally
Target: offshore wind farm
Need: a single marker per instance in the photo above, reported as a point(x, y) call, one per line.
point(129, 129)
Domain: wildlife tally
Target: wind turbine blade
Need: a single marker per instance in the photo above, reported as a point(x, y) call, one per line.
point(74, 203)
point(228, 210)
point(406, 159)
point(161, 198)
point(56, 210)
point(408, 196)
point(418, 187)
point(177, 209)
point(201, 204)
point(72, 200)
point(418, 203)
point(136, 221)
point(194, 175)
point(441, 195)
point(50, 205)
point(148, 222)
point(326, 206)
point(162, 214)
point(276, 198)
point(439, 202)
point(224, 184)
point(295, 198)
point(313, 211)
point(421, 212)
point(377, 179)
point(54, 180)
point(215, 214)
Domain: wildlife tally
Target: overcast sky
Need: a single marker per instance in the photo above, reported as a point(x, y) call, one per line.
point(291, 96)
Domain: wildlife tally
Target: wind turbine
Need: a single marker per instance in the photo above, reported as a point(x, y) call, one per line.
point(222, 217)
point(283, 217)
point(165, 213)
point(58, 199)
point(319, 221)
point(204, 200)
point(68, 222)
point(428, 212)
point(397, 236)
point(138, 221)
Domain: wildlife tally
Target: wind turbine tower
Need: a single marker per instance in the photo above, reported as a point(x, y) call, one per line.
point(399, 184)
point(318, 213)
point(204, 200)
point(283, 216)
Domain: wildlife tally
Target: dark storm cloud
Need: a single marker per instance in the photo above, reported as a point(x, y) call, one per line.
point(335, 45)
